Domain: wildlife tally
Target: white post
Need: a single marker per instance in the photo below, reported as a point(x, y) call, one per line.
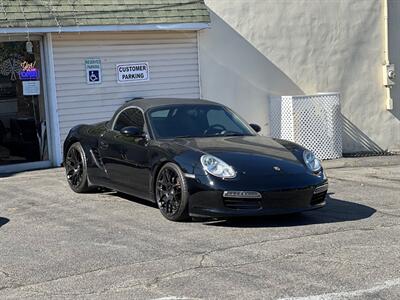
point(388, 96)
point(52, 102)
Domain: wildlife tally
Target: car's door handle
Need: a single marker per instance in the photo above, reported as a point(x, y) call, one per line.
point(103, 145)
point(123, 153)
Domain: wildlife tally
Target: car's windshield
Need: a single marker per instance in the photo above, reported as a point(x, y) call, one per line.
point(195, 121)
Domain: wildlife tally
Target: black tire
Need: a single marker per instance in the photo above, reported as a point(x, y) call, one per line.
point(171, 193)
point(76, 169)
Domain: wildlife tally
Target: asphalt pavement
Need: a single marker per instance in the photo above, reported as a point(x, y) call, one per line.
point(58, 244)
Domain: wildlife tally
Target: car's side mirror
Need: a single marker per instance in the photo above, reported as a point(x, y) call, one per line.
point(257, 128)
point(132, 131)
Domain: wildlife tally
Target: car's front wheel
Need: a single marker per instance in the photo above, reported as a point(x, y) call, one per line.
point(172, 193)
point(76, 168)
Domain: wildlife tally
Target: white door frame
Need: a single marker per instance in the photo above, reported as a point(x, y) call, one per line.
point(53, 122)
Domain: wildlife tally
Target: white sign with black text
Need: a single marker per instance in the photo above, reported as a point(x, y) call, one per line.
point(93, 70)
point(134, 72)
point(31, 88)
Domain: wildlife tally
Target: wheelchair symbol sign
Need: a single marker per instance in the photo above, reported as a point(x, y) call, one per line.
point(93, 70)
point(93, 76)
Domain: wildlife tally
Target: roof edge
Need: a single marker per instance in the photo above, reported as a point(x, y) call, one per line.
point(99, 28)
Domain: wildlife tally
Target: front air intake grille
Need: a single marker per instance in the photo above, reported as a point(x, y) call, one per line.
point(318, 198)
point(321, 188)
point(242, 203)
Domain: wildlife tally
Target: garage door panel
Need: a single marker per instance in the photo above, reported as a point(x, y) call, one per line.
point(172, 57)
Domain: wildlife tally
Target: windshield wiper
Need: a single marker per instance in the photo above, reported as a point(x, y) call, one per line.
point(233, 134)
point(209, 136)
point(184, 136)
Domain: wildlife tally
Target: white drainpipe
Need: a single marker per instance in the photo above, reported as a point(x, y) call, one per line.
point(389, 100)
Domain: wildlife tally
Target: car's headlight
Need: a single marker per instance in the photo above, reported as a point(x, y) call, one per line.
point(312, 163)
point(217, 167)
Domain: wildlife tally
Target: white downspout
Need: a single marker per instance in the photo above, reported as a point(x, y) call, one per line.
point(52, 102)
point(388, 100)
point(386, 31)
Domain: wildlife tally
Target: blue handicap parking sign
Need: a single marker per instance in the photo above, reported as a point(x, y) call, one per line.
point(94, 75)
point(93, 70)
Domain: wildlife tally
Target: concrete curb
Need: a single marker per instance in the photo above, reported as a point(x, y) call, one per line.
point(362, 162)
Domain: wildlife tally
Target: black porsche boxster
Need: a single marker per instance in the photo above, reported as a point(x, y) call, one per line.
point(193, 158)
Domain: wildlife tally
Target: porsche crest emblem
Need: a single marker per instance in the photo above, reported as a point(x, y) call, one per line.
point(277, 169)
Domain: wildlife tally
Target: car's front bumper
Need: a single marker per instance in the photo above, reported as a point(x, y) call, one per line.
point(206, 201)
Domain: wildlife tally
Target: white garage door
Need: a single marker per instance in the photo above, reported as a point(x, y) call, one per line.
point(173, 63)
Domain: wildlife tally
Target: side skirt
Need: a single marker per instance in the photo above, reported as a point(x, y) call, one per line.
point(118, 188)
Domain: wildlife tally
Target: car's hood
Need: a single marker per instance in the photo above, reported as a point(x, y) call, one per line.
point(248, 154)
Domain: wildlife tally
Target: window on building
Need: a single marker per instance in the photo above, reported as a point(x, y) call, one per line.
point(23, 135)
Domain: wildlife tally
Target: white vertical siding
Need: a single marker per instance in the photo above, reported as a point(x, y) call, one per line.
point(172, 57)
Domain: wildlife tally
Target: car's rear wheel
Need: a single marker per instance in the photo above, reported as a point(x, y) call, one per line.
point(76, 168)
point(172, 193)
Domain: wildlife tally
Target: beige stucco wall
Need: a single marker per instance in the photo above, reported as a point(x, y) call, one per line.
point(259, 48)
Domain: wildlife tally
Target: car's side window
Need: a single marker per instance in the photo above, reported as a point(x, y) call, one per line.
point(129, 117)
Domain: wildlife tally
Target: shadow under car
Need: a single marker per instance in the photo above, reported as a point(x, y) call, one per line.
point(335, 211)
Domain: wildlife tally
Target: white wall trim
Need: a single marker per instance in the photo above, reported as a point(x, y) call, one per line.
point(199, 65)
point(52, 102)
point(19, 37)
point(102, 28)
point(46, 97)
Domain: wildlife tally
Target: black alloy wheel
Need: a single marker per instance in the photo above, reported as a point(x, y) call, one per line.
point(76, 168)
point(171, 193)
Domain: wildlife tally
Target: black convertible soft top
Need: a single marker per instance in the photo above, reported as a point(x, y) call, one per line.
point(146, 104)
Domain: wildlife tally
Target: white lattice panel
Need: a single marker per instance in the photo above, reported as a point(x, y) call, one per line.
point(312, 121)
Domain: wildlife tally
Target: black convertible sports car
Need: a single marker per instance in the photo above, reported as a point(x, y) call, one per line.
point(193, 158)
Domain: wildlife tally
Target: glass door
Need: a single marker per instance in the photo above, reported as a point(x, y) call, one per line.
point(23, 130)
